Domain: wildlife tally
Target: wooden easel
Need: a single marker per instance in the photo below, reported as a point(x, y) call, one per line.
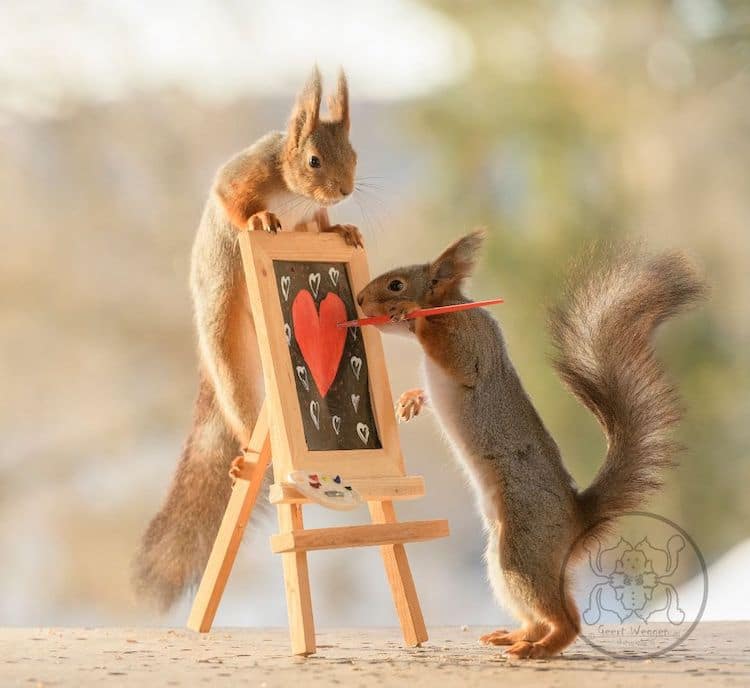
point(378, 475)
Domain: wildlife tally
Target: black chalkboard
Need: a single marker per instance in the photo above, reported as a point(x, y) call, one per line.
point(329, 363)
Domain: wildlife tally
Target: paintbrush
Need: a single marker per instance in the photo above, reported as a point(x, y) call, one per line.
point(420, 313)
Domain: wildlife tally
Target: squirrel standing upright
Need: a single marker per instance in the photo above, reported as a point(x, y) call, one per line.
point(284, 179)
point(533, 512)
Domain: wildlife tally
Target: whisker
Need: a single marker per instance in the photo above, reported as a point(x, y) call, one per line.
point(365, 219)
point(373, 222)
point(372, 196)
point(369, 185)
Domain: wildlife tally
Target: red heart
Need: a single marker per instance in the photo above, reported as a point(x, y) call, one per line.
point(320, 340)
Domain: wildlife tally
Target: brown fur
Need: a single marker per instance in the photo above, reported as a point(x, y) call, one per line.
point(176, 544)
point(610, 365)
point(533, 512)
point(269, 186)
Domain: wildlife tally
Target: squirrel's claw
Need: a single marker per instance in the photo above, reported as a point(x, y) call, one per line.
point(350, 233)
point(398, 311)
point(236, 468)
point(524, 649)
point(265, 221)
point(410, 404)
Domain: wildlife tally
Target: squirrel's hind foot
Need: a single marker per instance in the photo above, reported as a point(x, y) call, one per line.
point(498, 637)
point(528, 634)
point(549, 646)
point(526, 650)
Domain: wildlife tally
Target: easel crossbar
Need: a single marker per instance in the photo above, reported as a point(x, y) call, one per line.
point(358, 536)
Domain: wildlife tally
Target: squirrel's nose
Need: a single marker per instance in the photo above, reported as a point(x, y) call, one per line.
point(345, 192)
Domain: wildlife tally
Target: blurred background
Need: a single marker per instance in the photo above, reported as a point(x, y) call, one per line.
point(555, 124)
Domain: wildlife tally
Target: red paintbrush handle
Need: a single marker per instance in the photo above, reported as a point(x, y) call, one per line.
point(421, 313)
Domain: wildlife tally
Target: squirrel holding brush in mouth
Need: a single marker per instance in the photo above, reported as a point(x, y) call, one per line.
point(282, 181)
point(533, 512)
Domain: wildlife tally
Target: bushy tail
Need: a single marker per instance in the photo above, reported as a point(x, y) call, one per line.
point(176, 545)
point(602, 333)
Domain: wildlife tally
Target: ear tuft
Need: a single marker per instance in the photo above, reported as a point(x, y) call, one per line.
point(306, 110)
point(458, 260)
point(338, 103)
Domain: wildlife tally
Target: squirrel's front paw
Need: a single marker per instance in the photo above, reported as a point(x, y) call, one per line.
point(264, 221)
point(398, 311)
point(236, 468)
point(410, 404)
point(351, 234)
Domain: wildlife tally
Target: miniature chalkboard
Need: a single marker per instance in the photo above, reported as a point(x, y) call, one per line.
point(329, 362)
point(327, 386)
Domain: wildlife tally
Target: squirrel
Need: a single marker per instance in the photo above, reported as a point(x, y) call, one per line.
point(285, 179)
point(533, 512)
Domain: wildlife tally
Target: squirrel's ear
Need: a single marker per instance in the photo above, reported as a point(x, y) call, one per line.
point(307, 109)
point(338, 104)
point(459, 259)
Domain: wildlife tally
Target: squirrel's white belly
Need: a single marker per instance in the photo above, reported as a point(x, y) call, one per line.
point(292, 209)
point(443, 397)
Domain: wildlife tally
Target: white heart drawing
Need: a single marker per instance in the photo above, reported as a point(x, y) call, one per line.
point(288, 334)
point(314, 281)
point(364, 432)
point(285, 283)
point(333, 273)
point(336, 422)
point(356, 364)
point(302, 375)
point(355, 402)
point(315, 413)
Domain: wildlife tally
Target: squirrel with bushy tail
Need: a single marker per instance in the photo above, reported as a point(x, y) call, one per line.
point(534, 514)
point(284, 180)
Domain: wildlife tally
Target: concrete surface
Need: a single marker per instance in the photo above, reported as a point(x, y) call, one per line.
point(716, 654)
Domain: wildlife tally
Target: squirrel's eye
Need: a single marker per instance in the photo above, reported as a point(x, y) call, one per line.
point(396, 285)
point(314, 161)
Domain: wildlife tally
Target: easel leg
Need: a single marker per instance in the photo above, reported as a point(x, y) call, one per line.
point(228, 539)
point(297, 585)
point(400, 578)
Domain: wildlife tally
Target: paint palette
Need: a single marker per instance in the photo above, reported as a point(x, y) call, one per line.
point(327, 490)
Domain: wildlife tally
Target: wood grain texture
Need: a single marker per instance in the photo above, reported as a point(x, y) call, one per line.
point(397, 570)
point(378, 474)
point(297, 585)
point(289, 448)
point(228, 539)
point(357, 536)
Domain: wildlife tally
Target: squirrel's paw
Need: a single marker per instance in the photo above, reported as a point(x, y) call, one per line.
point(351, 234)
point(398, 311)
point(499, 637)
point(264, 221)
point(529, 633)
point(236, 468)
point(526, 650)
point(410, 404)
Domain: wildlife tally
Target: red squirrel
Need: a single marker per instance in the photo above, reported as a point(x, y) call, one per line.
point(282, 181)
point(533, 512)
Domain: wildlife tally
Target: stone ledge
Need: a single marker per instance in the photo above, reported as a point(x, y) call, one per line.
point(718, 653)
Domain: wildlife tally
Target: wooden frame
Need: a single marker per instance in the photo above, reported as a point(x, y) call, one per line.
point(378, 474)
point(259, 250)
